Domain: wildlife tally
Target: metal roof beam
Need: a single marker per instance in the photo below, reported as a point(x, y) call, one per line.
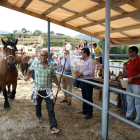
point(83, 13)
point(120, 29)
point(26, 3)
point(134, 3)
point(54, 7)
point(127, 14)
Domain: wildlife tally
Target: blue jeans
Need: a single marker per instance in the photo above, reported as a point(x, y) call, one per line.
point(133, 103)
point(74, 82)
point(49, 106)
point(124, 101)
point(87, 92)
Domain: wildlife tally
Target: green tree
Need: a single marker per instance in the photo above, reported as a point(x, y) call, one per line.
point(24, 30)
point(115, 50)
point(124, 49)
point(15, 31)
point(100, 44)
point(11, 37)
point(52, 32)
point(37, 32)
point(60, 34)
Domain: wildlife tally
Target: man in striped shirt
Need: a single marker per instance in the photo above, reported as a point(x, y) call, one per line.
point(87, 73)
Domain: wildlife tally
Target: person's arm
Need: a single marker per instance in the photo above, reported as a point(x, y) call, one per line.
point(132, 78)
point(56, 62)
point(26, 78)
point(123, 76)
point(29, 62)
point(56, 82)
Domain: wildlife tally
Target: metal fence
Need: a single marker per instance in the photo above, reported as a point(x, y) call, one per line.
point(98, 107)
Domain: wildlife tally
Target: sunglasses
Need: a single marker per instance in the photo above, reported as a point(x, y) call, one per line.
point(130, 51)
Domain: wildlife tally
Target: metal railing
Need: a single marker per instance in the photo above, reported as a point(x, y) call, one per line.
point(98, 107)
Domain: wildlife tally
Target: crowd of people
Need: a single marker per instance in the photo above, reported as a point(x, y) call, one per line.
point(44, 73)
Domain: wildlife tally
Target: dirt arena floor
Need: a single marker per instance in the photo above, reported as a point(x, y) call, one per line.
point(19, 122)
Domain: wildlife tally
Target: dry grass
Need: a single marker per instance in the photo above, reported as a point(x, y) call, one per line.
point(19, 123)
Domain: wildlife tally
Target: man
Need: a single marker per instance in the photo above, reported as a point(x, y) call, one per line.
point(97, 50)
point(87, 73)
point(66, 81)
point(68, 46)
point(44, 73)
point(133, 75)
point(30, 63)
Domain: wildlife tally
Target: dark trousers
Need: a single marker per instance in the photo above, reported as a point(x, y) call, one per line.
point(49, 106)
point(33, 74)
point(123, 99)
point(78, 84)
point(100, 60)
point(87, 92)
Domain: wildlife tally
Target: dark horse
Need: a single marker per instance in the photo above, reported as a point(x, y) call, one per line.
point(8, 71)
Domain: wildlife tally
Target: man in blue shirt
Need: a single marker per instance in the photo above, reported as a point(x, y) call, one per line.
point(30, 63)
point(66, 81)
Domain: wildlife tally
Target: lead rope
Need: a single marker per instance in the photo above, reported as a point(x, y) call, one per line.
point(4, 57)
point(30, 85)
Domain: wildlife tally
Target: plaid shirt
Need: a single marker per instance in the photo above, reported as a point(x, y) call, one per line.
point(43, 75)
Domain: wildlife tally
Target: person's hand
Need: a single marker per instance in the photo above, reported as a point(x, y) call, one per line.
point(26, 78)
point(120, 78)
point(67, 70)
point(130, 80)
point(58, 87)
point(79, 74)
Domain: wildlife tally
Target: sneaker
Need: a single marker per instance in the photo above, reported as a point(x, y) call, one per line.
point(54, 130)
point(79, 88)
point(39, 120)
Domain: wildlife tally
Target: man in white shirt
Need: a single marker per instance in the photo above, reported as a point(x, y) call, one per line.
point(68, 45)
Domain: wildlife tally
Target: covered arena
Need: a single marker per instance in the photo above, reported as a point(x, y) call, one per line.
point(115, 22)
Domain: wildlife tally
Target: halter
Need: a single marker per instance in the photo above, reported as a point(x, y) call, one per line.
point(5, 57)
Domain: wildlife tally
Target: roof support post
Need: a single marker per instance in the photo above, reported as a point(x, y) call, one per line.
point(91, 47)
point(48, 39)
point(103, 54)
point(104, 131)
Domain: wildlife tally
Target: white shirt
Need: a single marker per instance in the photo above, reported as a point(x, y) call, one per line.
point(68, 47)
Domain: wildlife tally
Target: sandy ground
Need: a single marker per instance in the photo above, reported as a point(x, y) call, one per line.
point(19, 122)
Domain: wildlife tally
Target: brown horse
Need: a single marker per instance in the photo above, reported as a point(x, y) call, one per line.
point(18, 59)
point(24, 63)
point(8, 71)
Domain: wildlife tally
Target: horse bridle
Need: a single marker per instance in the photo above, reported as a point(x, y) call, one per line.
point(5, 57)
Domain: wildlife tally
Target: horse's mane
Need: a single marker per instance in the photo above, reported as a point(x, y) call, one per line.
point(8, 42)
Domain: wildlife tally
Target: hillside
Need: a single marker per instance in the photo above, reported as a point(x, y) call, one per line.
point(86, 37)
point(30, 38)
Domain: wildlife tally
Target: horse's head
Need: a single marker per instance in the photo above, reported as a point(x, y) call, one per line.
point(9, 52)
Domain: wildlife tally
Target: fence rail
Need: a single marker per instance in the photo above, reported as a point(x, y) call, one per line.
point(98, 107)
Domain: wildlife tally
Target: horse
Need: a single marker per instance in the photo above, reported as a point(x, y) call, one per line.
point(18, 59)
point(24, 63)
point(8, 70)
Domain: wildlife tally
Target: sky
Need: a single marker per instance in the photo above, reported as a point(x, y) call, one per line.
point(12, 20)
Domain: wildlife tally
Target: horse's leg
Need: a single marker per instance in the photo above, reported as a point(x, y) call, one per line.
point(6, 104)
point(0, 89)
point(26, 69)
point(12, 95)
point(22, 68)
point(9, 90)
